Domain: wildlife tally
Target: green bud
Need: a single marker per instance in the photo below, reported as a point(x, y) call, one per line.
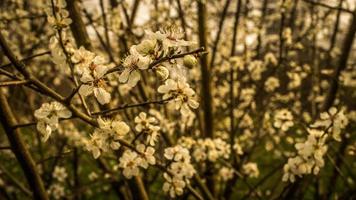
point(162, 72)
point(190, 61)
point(146, 46)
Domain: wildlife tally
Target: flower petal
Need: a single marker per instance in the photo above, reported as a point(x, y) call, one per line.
point(102, 95)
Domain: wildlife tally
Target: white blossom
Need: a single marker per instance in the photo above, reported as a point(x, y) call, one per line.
point(48, 118)
point(147, 155)
point(251, 169)
point(82, 59)
point(133, 64)
point(146, 126)
point(60, 173)
point(93, 81)
point(171, 37)
point(183, 95)
point(283, 119)
point(130, 162)
point(179, 172)
point(107, 136)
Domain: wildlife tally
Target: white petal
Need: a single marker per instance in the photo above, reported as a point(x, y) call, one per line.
point(124, 76)
point(185, 110)
point(143, 62)
point(85, 90)
point(102, 95)
point(40, 113)
point(96, 153)
point(193, 104)
point(134, 78)
point(101, 70)
point(64, 113)
point(86, 77)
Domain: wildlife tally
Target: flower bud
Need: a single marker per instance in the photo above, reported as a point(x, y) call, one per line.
point(162, 72)
point(146, 46)
point(190, 61)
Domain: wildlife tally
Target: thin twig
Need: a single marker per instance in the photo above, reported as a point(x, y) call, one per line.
point(14, 83)
point(27, 58)
point(161, 60)
point(16, 182)
point(110, 111)
point(328, 6)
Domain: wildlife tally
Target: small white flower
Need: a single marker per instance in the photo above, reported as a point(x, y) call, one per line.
point(130, 162)
point(171, 37)
point(333, 121)
point(180, 170)
point(283, 119)
point(142, 122)
point(251, 170)
point(96, 144)
point(133, 63)
point(271, 84)
point(226, 173)
point(57, 191)
point(60, 173)
point(48, 117)
point(82, 59)
point(147, 154)
point(61, 18)
point(93, 81)
point(177, 153)
point(146, 47)
point(174, 186)
point(107, 136)
point(184, 96)
point(146, 125)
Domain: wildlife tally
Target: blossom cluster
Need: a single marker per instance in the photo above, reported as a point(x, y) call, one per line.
point(142, 55)
point(92, 70)
point(57, 189)
point(211, 149)
point(147, 126)
point(310, 153)
point(179, 171)
point(131, 160)
point(60, 43)
point(57, 15)
point(283, 119)
point(181, 93)
point(107, 136)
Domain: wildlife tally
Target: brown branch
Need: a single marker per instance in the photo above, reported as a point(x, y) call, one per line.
point(134, 12)
point(31, 17)
point(328, 6)
point(27, 58)
point(206, 91)
point(23, 156)
point(164, 59)
point(194, 192)
point(106, 46)
point(15, 181)
point(77, 26)
point(125, 106)
point(217, 38)
point(14, 83)
point(20, 66)
point(205, 73)
point(231, 182)
point(182, 19)
point(342, 63)
point(141, 188)
point(5, 148)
